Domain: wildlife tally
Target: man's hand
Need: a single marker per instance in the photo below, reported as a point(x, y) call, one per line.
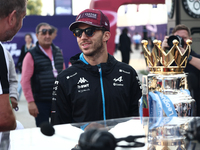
point(165, 46)
point(182, 49)
point(164, 43)
point(33, 110)
point(13, 102)
point(7, 118)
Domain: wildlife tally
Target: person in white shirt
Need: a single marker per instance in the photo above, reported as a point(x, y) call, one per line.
point(137, 40)
point(10, 23)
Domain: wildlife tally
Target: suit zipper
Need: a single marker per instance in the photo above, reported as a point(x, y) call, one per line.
point(102, 92)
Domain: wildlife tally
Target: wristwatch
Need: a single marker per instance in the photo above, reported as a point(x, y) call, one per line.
point(189, 58)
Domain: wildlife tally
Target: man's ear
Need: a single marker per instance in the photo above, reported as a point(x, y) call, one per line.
point(12, 18)
point(36, 35)
point(107, 35)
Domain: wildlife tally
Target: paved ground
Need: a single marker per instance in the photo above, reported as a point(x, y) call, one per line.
point(136, 61)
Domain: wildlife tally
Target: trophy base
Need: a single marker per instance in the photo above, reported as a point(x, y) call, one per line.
point(170, 135)
point(178, 144)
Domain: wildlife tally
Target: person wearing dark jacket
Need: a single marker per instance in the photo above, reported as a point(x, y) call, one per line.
point(28, 45)
point(96, 86)
point(193, 65)
point(125, 46)
point(40, 68)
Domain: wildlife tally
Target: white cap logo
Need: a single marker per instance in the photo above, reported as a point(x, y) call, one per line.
point(78, 17)
point(106, 24)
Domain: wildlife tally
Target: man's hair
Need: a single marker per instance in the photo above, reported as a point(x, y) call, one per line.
point(39, 25)
point(181, 27)
point(8, 6)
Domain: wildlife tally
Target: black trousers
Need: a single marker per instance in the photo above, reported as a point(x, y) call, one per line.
point(44, 115)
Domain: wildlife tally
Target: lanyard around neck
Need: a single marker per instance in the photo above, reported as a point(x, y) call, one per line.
point(52, 60)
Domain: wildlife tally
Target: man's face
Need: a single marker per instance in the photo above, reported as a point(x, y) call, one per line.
point(184, 35)
point(90, 45)
point(16, 27)
point(44, 38)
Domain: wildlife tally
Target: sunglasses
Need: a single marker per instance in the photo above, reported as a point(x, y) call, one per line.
point(44, 31)
point(88, 31)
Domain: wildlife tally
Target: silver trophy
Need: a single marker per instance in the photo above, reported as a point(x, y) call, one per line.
point(165, 98)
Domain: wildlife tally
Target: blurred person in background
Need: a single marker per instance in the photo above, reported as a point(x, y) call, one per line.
point(28, 45)
point(150, 41)
point(40, 67)
point(137, 40)
point(125, 46)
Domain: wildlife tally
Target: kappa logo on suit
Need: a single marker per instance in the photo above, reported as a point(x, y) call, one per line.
point(83, 85)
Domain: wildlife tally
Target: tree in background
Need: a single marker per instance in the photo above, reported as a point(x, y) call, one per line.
point(34, 7)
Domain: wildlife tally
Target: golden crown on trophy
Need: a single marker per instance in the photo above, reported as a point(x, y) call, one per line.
point(161, 62)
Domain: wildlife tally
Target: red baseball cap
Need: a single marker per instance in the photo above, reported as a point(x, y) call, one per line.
point(92, 17)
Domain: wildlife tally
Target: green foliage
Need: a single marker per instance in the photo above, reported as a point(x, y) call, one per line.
point(144, 72)
point(34, 7)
